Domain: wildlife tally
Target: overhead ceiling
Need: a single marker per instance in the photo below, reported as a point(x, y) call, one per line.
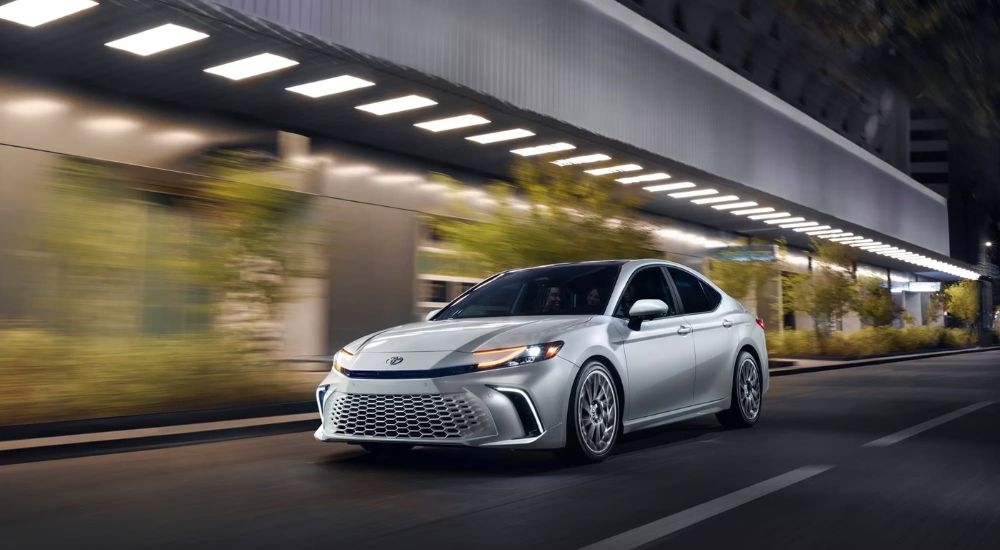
point(73, 50)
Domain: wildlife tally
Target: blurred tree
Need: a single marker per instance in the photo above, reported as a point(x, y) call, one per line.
point(561, 216)
point(138, 254)
point(744, 279)
point(828, 292)
point(944, 50)
point(874, 302)
point(962, 301)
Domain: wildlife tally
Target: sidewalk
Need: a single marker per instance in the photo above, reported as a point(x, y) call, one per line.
point(800, 366)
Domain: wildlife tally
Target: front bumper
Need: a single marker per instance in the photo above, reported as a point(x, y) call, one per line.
point(522, 407)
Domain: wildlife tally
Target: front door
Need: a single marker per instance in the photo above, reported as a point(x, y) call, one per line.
point(659, 353)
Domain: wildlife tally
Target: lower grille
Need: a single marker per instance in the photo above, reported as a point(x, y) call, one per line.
point(451, 416)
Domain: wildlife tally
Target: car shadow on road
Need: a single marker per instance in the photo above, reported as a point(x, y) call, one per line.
point(506, 462)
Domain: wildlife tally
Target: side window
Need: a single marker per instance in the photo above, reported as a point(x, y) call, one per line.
point(714, 298)
point(690, 290)
point(647, 284)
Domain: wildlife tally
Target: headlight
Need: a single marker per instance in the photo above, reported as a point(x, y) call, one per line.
point(511, 357)
point(342, 360)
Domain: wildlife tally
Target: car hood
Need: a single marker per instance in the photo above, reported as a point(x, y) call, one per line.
point(468, 335)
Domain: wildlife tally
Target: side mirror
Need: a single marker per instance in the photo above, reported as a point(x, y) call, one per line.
point(430, 315)
point(642, 310)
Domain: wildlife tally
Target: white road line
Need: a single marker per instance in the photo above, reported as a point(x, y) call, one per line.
point(662, 527)
point(924, 426)
point(116, 435)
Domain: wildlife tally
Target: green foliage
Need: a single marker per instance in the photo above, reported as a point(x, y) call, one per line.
point(829, 291)
point(940, 49)
point(741, 279)
point(564, 217)
point(866, 342)
point(874, 303)
point(962, 301)
point(48, 376)
point(128, 248)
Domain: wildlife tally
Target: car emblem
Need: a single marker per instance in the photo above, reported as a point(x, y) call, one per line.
point(394, 360)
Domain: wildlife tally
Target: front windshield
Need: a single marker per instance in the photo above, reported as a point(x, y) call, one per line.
point(580, 289)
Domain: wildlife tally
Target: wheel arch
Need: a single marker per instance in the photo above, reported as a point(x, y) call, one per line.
point(615, 376)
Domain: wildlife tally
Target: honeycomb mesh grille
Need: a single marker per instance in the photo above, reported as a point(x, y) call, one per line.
point(432, 416)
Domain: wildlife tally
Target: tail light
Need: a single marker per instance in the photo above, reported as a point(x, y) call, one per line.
point(760, 323)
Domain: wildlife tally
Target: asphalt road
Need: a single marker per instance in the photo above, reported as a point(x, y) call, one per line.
point(823, 469)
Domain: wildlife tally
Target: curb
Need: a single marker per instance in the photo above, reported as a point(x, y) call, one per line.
point(786, 371)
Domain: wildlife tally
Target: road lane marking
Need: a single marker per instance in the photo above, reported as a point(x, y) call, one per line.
point(924, 426)
point(116, 435)
point(645, 534)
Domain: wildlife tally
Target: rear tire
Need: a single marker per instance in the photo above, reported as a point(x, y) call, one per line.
point(593, 418)
point(387, 449)
point(747, 394)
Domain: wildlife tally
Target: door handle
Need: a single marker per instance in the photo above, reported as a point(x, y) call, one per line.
point(727, 323)
point(684, 329)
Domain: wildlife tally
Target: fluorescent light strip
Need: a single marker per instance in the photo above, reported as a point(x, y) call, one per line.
point(872, 245)
point(330, 86)
point(861, 242)
point(252, 66)
point(799, 224)
point(714, 200)
point(452, 123)
point(840, 236)
point(613, 169)
point(846, 239)
point(770, 216)
point(585, 159)
point(397, 105)
point(824, 232)
point(543, 149)
point(879, 249)
point(784, 220)
point(32, 13)
point(805, 229)
point(505, 135)
point(657, 176)
point(695, 193)
point(747, 211)
point(669, 186)
point(158, 39)
point(744, 204)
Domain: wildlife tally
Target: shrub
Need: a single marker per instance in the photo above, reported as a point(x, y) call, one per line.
point(45, 376)
point(866, 342)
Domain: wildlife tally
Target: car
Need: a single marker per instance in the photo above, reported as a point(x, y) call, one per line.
point(565, 357)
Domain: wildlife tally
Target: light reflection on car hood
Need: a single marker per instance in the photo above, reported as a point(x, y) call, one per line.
point(468, 335)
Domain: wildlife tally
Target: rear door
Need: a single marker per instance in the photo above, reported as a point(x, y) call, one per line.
point(714, 334)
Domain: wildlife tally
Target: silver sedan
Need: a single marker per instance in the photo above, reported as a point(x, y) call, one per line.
point(565, 357)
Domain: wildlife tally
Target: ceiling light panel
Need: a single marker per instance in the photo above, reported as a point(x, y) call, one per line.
point(784, 220)
point(156, 40)
point(397, 105)
point(614, 169)
point(824, 232)
point(810, 229)
point(585, 159)
point(645, 177)
point(543, 149)
point(772, 216)
point(798, 224)
point(32, 13)
point(731, 205)
point(331, 86)
point(452, 123)
point(695, 193)
point(669, 186)
point(252, 66)
point(714, 200)
point(505, 135)
point(744, 212)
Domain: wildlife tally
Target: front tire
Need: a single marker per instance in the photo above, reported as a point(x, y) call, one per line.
point(593, 420)
point(747, 394)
